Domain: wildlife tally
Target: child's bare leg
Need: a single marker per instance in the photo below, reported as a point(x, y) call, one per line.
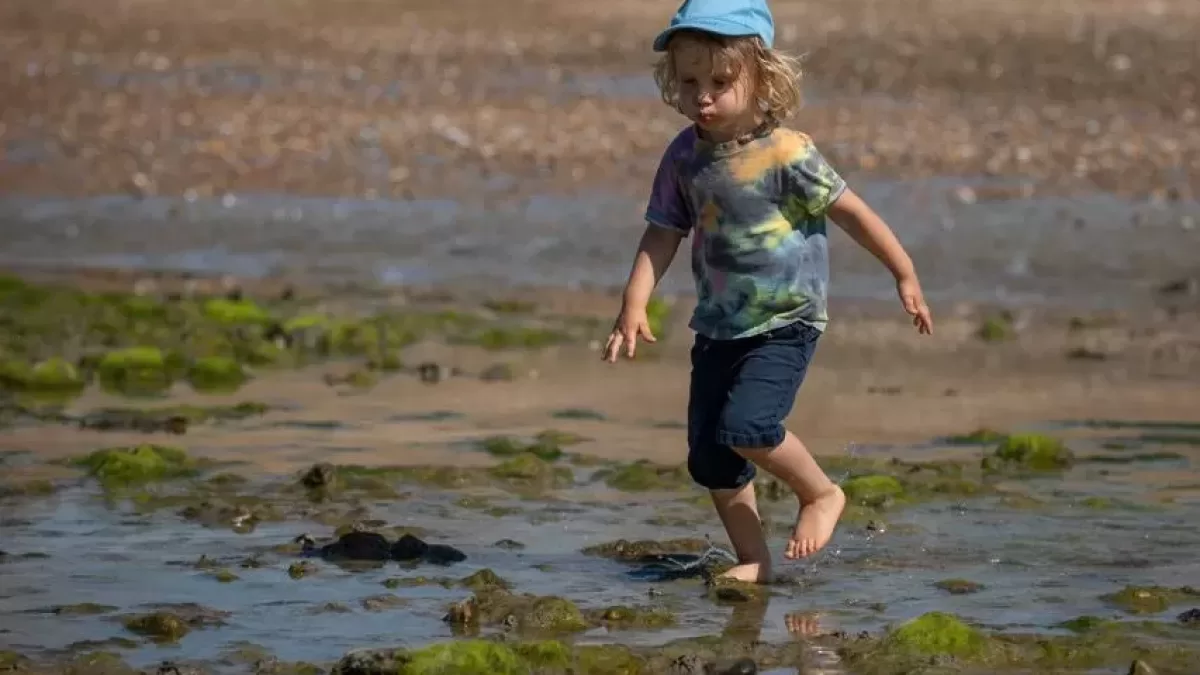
point(821, 501)
point(738, 510)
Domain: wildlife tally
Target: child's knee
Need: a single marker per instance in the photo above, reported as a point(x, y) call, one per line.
point(715, 467)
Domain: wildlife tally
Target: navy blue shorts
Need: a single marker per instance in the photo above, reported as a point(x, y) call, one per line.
point(741, 392)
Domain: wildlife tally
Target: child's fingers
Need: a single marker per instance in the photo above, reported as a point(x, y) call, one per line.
point(613, 347)
point(644, 331)
point(631, 343)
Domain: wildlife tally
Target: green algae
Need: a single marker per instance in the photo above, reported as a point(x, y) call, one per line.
point(633, 618)
point(958, 586)
point(159, 626)
point(118, 467)
point(1150, 599)
point(469, 657)
point(625, 550)
point(873, 490)
point(937, 633)
point(545, 449)
point(216, 375)
point(1034, 452)
point(485, 580)
point(645, 476)
point(982, 436)
point(527, 471)
point(137, 371)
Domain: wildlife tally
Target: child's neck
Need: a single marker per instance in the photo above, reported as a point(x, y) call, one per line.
point(742, 131)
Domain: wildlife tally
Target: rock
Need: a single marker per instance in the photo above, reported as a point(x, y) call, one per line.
point(937, 634)
point(500, 372)
point(432, 373)
point(958, 586)
point(1190, 618)
point(873, 491)
point(441, 554)
point(136, 371)
point(743, 666)
point(139, 464)
point(509, 545)
point(1140, 667)
point(1031, 451)
point(319, 476)
point(408, 548)
point(216, 374)
point(382, 602)
point(358, 546)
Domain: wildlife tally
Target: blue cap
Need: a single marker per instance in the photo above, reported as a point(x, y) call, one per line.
point(731, 18)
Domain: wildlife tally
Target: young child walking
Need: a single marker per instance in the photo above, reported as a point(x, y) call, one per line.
point(754, 198)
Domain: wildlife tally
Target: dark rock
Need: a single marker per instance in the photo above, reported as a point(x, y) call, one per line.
point(432, 373)
point(371, 662)
point(1191, 617)
point(688, 664)
point(509, 545)
point(441, 554)
point(408, 548)
point(500, 372)
point(319, 476)
point(358, 546)
point(738, 667)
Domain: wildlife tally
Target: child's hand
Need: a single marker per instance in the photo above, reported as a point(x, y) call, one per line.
point(914, 303)
point(629, 325)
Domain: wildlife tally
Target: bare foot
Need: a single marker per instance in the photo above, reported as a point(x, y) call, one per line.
point(755, 573)
point(815, 524)
point(803, 624)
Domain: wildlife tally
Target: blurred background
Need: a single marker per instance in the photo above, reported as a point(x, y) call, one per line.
point(1027, 152)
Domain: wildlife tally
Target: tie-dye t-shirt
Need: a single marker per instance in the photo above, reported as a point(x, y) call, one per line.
point(756, 209)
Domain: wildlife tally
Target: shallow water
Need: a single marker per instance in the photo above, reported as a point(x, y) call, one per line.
point(1039, 565)
point(1088, 252)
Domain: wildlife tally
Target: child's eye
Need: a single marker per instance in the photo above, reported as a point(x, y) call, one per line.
point(689, 81)
point(720, 83)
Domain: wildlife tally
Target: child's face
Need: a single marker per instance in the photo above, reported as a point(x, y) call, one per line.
point(715, 99)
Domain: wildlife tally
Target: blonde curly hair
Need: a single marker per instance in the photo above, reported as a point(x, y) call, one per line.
point(776, 75)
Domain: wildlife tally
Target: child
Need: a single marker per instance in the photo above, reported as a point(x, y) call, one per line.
point(754, 197)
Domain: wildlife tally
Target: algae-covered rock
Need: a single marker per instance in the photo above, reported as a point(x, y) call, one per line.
point(645, 550)
point(1150, 599)
point(621, 616)
point(645, 476)
point(138, 464)
point(528, 471)
point(958, 586)
point(552, 614)
point(937, 633)
point(485, 580)
point(136, 371)
point(10, 660)
point(235, 312)
point(981, 436)
point(216, 374)
point(873, 491)
point(1032, 451)
point(505, 446)
point(159, 626)
point(54, 376)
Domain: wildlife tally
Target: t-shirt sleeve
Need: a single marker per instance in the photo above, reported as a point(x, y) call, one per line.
point(810, 180)
point(668, 207)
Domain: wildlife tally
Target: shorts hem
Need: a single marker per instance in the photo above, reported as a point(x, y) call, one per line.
point(760, 441)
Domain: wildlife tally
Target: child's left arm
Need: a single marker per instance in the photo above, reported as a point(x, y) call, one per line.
point(865, 226)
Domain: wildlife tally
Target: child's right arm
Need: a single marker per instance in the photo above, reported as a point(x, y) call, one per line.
point(654, 255)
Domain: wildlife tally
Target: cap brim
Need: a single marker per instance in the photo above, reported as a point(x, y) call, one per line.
point(708, 25)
